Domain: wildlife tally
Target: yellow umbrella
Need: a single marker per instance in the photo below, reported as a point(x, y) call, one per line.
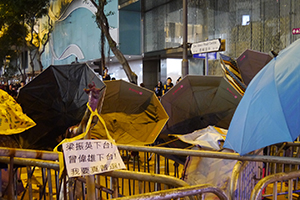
point(133, 115)
point(12, 118)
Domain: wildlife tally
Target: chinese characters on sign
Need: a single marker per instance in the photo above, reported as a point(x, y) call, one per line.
point(88, 157)
point(206, 46)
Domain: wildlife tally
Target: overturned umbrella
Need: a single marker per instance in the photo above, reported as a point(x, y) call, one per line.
point(133, 115)
point(251, 62)
point(199, 101)
point(232, 73)
point(55, 100)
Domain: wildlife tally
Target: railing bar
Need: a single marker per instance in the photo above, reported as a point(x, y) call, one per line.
point(211, 154)
point(279, 193)
point(56, 174)
point(44, 182)
point(83, 190)
point(133, 181)
point(106, 185)
point(275, 191)
point(290, 190)
point(1, 183)
point(179, 192)
point(145, 167)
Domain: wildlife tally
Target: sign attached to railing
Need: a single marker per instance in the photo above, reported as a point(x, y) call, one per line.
point(88, 157)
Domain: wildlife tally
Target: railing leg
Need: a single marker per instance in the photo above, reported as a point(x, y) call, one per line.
point(50, 184)
point(11, 194)
point(44, 181)
point(83, 190)
point(71, 188)
point(91, 189)
point(65, 184)
point(115, 187)
point(275, 191)
point(29, 184)
point(57, 188)
point(290, 194)
point(97, 182)
point(1, 183)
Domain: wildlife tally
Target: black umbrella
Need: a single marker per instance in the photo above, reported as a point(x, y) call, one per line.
point(199, 101)
point(251, 62)
point(55, 100)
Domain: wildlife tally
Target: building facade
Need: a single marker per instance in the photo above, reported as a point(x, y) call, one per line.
point(149, 32)
point(76, 36)
point(261, 25)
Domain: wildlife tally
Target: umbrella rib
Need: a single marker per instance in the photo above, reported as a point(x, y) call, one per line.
point(277, 95)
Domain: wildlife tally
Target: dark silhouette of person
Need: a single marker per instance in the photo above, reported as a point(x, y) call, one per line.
point(168, 86)
point(106, 76)
point(158, 89)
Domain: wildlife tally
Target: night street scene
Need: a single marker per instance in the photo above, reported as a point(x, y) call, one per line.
point(149, 99)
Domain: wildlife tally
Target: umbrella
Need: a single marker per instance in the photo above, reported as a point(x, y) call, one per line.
point(269, 112)
point(232, 73)
point(199, 101)
point(251, 62)
point(133, 115)
point(207, 138)
point(12, 118)
point(55, 100)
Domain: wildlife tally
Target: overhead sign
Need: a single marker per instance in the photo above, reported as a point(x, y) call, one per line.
point(206, 46)
point(88, 157)
point(296, 31)
point(210, 56)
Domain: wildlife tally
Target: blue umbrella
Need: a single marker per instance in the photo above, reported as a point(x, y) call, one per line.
point(269, 112)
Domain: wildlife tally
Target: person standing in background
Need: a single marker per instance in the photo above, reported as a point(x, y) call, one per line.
point(158, 89)
point(168, 86)
point(106, 76)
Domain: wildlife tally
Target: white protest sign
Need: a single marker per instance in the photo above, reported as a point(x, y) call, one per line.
point(88, 157)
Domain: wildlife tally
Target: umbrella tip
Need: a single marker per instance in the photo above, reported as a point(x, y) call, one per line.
point(273, 54)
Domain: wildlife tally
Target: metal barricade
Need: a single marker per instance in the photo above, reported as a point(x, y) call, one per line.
point(247, 174)
point(243, 179)
point(156, 173)
point(275, 178)
point(288, 150)
point(179, 193)
point(42, 181)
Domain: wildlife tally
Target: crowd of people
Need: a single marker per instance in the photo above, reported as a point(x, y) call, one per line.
point(13, 88)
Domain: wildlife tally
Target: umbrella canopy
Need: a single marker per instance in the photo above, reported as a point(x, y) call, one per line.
point(199, 101)
point(12, 118)
point(251, 62)
point(207, 138)
point(55, 100)
point(269, 112)
point(133, 115)
point(232, 73)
